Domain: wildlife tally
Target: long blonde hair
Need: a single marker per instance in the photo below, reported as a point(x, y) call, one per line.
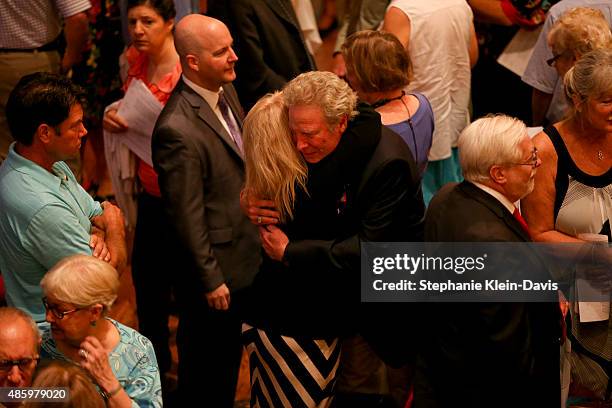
point(274, 167)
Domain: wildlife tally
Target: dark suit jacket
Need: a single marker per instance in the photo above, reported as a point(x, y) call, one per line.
point(484, 354)
point(201, 172)
point(269, 45)
point(373, 185)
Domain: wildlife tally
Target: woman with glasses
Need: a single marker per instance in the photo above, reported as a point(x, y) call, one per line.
point(577, 32)
point(79, 292)
point(573, 196)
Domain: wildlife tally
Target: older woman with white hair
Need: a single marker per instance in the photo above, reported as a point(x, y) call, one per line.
point(573, 196)
point(79, 292)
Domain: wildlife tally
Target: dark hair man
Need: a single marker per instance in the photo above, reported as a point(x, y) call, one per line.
point(45, 215)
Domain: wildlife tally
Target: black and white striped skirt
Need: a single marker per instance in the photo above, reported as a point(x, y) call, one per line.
point(290, 372)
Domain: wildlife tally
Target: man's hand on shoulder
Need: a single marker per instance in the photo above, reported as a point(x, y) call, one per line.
point(219, 298)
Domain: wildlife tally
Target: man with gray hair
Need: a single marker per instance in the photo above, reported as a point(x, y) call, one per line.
point(19, 345)
point(499, 162)
point(197, 153)
point(488, 354)
point(363, 186)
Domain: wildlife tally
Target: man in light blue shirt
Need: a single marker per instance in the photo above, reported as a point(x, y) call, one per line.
point(45, 215)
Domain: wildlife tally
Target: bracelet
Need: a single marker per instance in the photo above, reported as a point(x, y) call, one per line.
point(108, 395)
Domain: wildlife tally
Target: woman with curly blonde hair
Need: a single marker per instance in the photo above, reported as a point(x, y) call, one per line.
point(577, 32)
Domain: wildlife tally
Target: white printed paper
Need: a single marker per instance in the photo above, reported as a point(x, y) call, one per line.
point(517, 53)
point(140, 109)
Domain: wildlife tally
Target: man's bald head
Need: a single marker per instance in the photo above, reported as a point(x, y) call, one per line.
point(204, 45)
point(189, 34)
point(19, 341)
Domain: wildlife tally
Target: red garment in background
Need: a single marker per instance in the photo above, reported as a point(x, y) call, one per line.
point(138, 63)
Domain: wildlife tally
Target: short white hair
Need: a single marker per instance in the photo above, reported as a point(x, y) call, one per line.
point(491, 140)
point(82, 280)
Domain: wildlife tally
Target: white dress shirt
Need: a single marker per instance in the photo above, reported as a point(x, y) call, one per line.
point(498, 196)
point(212, 99)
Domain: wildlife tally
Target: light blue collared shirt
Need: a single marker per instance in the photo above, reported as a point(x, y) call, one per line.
point(44, 217)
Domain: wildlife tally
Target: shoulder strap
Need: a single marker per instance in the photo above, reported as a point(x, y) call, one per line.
point(563, 156)
point(564, 163)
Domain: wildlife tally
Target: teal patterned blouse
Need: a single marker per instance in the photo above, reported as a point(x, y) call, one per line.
point(133, 362)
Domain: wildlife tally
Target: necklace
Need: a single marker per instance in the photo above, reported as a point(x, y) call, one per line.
point(382, 102)
point(600, 155)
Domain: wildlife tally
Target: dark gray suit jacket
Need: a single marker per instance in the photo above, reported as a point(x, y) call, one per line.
point(269, 45)
point(201, 173)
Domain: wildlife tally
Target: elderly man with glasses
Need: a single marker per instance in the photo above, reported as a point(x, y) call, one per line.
point(489, 354)
point(19, 344)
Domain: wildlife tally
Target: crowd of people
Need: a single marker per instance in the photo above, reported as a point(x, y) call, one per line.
point(245, 210)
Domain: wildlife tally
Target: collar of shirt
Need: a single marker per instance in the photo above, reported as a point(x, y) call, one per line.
point(25, 166)
point(211, 98)
point(497, 195)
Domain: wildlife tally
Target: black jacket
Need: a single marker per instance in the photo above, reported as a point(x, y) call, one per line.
point(485, 354)
point(269, 45)
point(366, 189)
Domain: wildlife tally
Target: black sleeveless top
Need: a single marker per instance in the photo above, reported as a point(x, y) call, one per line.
point(583, 202)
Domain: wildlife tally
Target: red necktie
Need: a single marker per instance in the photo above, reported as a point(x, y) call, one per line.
point(521, 220)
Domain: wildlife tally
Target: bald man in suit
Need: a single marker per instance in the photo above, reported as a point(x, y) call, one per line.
point(197, 152)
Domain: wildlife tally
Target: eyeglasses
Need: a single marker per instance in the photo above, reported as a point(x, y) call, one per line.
point(533, 160)
point(23, 364)
point(551, 61)
point(59, 314)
